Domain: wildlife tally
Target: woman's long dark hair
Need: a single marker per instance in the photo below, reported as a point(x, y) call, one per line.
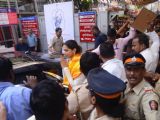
point(72, 44)
point(111, 107)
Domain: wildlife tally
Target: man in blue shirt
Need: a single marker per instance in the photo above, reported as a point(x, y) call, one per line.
point(32, 41)
point(15, 99)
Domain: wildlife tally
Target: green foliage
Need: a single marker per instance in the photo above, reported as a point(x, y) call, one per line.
point(86, 5)
point(95, 1)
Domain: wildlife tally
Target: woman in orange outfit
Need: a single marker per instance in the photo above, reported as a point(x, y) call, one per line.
point(71, 66)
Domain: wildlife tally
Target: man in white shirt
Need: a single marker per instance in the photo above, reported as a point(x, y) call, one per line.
point(118, 44)
point(141, 44)
point(111, 64)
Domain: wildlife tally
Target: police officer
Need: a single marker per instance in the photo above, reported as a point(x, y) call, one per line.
point(105, 93)
point(142, 102)
point(78, 100)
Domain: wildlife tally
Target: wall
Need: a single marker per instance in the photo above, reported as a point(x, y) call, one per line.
point(43, 36)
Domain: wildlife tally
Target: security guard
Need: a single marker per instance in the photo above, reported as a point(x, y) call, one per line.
point(105, 93)
point(142, 102)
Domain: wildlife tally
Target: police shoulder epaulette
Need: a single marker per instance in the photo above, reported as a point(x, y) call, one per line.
point(148, 89)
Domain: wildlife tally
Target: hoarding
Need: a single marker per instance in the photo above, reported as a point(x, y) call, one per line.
point(59, 15)
point(29, 23)
point(86, 21)
point(8, 16)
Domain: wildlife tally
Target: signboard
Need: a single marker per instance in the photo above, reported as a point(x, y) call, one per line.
point(8, 3)
point(8, 16)
point(59, 15)
point(86, 21)
point(29, 23)
point(144, 18)
point(4, 19)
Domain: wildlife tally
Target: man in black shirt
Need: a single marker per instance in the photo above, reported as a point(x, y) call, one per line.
point(99, 37)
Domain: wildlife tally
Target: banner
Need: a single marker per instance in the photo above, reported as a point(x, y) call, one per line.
point(29, 23)
point(144, 18)
point(86, 21)
point(59, 15)
point(140, 2)
point(8, 16)
point(145, 2)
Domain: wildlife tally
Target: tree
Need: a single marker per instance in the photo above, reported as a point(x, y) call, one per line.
point(84, 5)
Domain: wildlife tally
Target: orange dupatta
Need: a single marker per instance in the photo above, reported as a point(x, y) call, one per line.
point(74, 68)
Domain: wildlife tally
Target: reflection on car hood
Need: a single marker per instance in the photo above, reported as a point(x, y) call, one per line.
point(25, 64)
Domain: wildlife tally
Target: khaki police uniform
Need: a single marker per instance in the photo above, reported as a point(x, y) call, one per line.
point(93, 116)
point(139, 102)
point(57, 44)
point(157, 87)
point(79, 101)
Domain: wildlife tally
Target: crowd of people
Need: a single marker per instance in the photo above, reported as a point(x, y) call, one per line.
point(30, 43)
point(117, 80)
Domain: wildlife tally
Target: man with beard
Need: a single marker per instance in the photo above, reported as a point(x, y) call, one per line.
point(139, 94)
point(141, 44)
